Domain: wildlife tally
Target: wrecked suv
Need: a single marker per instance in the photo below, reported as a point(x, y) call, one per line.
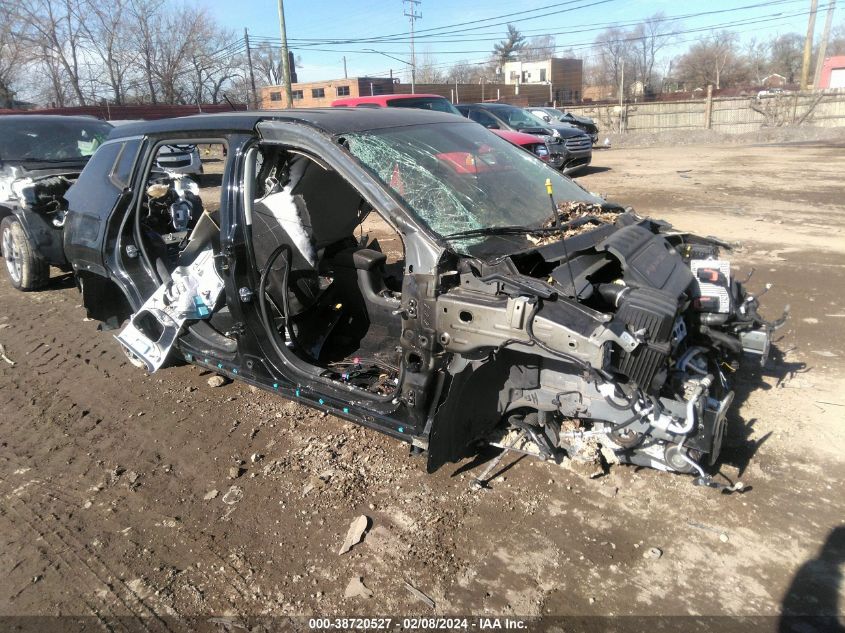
point(418, 275)
point(41, 156)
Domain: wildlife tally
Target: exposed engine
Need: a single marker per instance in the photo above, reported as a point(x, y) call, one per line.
point(622, 339)
point(43, 194)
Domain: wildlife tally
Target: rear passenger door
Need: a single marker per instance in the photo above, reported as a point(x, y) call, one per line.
point(101, 191)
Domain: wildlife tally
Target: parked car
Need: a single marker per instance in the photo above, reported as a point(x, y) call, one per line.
point(40, 158)
point(529, 142)
point(583, 123)
point(180, 159)
point(571, 149)
point(489, 327)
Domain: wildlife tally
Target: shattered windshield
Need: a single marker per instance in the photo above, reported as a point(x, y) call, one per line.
point(50, 140)
point(460, 177)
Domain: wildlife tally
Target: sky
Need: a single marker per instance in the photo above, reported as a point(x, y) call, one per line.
point(575, 24)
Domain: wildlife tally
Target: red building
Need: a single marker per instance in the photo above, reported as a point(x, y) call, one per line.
point(833, 72)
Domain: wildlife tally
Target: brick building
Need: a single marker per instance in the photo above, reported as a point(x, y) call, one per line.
point(552, 81)
point(320, 94)
point(833, 72)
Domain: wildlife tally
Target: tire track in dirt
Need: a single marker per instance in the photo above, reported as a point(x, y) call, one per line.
point(65, 547)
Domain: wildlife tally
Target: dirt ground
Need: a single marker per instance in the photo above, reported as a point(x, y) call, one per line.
point(117, 495)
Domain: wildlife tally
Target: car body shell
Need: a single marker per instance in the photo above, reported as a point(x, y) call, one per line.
point(459, 376)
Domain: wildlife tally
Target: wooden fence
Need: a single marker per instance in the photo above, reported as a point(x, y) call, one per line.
point(726, 115)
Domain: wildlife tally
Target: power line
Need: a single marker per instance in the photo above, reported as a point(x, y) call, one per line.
point(576, 47)
point(742, 22)
point(309, 42)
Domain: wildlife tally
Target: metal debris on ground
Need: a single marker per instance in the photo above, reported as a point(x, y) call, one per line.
point(357, 589)
point(419, 595)
point(4, 357)
point(355, 534)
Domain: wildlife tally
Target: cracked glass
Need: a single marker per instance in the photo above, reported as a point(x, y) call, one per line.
point(459, 176)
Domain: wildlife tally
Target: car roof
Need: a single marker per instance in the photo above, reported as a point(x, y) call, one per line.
point(330, 120)
point(494, 106)
point(23, 118)
point(383, 99)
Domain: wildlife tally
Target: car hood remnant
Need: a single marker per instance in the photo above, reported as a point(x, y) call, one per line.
point(614, 344)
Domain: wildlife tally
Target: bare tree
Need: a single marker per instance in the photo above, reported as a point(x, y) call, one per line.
point(146, 18)
point(836, 45)
point(109, 37)
point(538, 48)
point(786, 55)
point(464, 72)
point(714, 61)
point(757, 59)
point(613, 53)
point(13, 54)
point(214, 66)
point(54, 27)
point(648, 39)
point(428, 71)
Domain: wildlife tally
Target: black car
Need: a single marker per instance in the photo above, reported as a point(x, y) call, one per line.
point(40, 158)
point(481, 324)
point(571, 149)
point(554, 115)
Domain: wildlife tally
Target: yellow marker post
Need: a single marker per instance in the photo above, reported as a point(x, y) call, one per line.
point(549, 186)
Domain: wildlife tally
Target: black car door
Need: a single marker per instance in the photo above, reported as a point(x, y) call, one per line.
point(102, 191)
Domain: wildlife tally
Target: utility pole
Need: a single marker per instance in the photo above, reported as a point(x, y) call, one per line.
point(621, 95)
point(251, 73)
point(285, 60)
point(345, 76)
point(413, 15)
point(808, 44)
point(828, 22)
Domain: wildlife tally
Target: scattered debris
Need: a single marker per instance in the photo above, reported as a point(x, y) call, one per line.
point(211, 494)
point(233, 495)
point(4, 357)
point(357, 589)
point(723, 537)
point(132, 476)
point(217, 381)
point(88, 503)
point(419, 595)
point(235, 472)
point(574, 217)
point(653, 553)
point(355, 533)
point(255, 457)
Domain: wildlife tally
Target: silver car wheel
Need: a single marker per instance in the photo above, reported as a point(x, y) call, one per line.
point(12, 256)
